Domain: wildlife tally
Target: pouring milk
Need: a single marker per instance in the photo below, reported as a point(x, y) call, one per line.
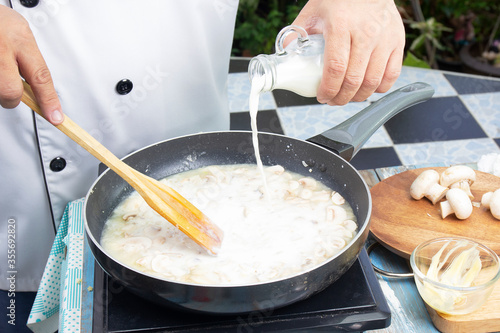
point(297, 68)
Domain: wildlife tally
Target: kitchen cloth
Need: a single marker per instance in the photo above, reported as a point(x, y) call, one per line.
point(57, 305)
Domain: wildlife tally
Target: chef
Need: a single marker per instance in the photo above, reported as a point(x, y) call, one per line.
point(134, 73)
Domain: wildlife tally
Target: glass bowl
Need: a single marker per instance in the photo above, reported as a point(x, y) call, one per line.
point(454, 275)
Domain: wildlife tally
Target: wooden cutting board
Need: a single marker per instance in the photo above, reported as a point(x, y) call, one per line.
point(400, 223)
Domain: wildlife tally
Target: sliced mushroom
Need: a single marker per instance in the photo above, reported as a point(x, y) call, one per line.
point(129, 216)
point(152, 231)
point(457, 202)
point(135, 244)
point(350, 225)
point(426, 185)
point(320, 196)
point(491, 200)
point(336, 242)
point(165, 263)
point(308, 183)
point(217, 172)
point(337, 198)
point(459, 176)
point(159, 240)
point(293, 185)
point(276, 169)
point(336, 214)
point(306, 194)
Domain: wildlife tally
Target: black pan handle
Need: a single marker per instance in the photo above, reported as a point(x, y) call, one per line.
point(347, 138)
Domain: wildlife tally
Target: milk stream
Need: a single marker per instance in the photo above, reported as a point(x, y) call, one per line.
point(253, 104)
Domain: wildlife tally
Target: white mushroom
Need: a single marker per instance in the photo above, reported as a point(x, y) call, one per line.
point(165, 263)
point(217, 172)
point(337, 198)
point(135, 244)
point(349, 225)
point(152, 231)
point(336, 214)
point(335, 243)
point(491, 200)
point(305, 194)
point(159, 240)
point(426, 185)
point(144, 262)
point(276, 169)
point(293, 186)
point(129, 216)
point(464, 186)
point(458, 202)
point(320, 196)
point(308, 183)
point(486, 199)
point(459, 176)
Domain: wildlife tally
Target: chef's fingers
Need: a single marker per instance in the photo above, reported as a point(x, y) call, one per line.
point(11, 87)
point(35, 71)
point(20, 56)
point(392, 71)
point(354, 72)
point(335, 63)
point(387, 56)
point(374, 76)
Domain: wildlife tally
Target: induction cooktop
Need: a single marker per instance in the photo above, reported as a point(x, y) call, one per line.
point(353, 303)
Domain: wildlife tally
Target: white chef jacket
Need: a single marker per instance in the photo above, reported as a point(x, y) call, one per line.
point(176, 55)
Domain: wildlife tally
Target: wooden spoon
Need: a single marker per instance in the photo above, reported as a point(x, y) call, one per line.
point(162, 198)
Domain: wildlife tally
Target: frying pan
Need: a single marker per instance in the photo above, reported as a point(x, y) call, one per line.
point(323, 157)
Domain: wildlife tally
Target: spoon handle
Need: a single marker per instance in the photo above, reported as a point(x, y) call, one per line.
point(163, 199)
point(83, 138)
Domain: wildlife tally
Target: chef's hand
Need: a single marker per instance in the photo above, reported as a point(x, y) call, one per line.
point(19, 55)
point(364, 43)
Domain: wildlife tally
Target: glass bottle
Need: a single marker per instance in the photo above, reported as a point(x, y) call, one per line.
point(297, 68)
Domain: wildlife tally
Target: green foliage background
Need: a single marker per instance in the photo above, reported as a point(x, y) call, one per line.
point(442, 20)
point(258, 23)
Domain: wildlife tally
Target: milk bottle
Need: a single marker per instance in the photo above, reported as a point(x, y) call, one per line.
point(297, 68)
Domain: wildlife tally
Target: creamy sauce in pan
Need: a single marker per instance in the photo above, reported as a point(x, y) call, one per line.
point(300, 224)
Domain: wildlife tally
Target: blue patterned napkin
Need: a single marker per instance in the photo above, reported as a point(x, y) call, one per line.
point(57, 305)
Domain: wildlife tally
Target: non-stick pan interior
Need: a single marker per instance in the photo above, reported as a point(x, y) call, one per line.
point(195, 151)
point(218, 148)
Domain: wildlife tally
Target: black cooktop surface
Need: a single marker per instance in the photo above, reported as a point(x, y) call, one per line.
point(353, 303)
